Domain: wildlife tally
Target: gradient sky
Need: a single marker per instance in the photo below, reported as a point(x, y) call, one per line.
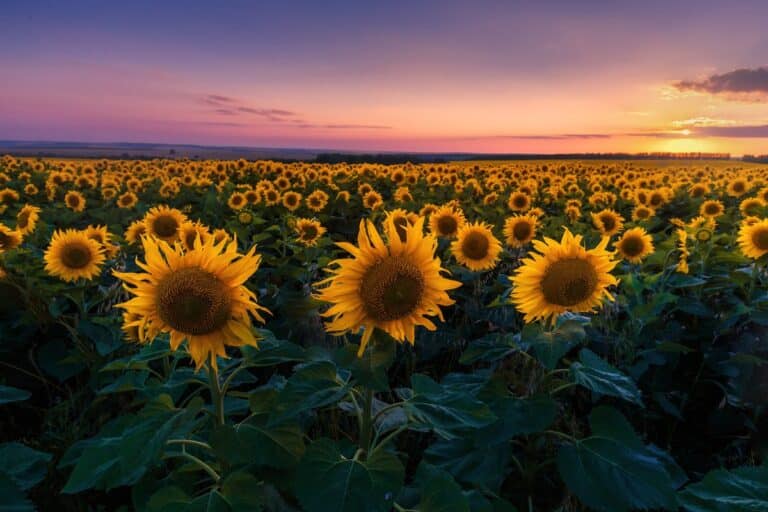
point(479, 76)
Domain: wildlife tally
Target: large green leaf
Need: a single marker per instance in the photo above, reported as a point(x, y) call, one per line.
point(23, 465)
point(550, 346)
point(444, 409)
point(328, 482)
point(597, 375)
point(311, 386)
point(743, 489)
point(613, 471)
point(254, 442)
point(9, 394)
point(439, 492)
point(127, 447)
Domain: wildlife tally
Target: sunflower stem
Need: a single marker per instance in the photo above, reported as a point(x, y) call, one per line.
point(217, 397)
point(367, 425)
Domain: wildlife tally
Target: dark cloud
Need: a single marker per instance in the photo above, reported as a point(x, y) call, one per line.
point(219, 99)
point(225, 112)
point(741, 84)
point(759, 131)
point(565, 136)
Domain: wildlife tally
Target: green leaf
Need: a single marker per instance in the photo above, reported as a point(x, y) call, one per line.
point(141, 359)
point(13, 498)
point(370, 370)
point(439, 492)
point(488, 349)
point(243, 491)
point(311, 386)
point(272, 351)
point(328, 482)
point(613, 471)
point(9, 394)
point(597, 375)
point(743, 489)
point(550, 347)
point(447, 410)
point(279, 446)
point(23, 465)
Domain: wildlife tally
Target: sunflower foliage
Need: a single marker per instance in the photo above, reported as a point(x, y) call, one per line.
point(471, 336)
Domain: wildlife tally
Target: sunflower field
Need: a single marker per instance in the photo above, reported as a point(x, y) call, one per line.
point(182, 335)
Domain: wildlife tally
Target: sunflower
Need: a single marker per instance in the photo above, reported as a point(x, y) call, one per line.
point(737, 187)
point(237, 200)
point(519, 201)
point(104, 238)
point(520, 229)
point(372, 200)
point(163, 222)
point(317, 200)
point(635, 245)
point(608, 222)
point(445, 221)
point(711, 208)
point(751, 206)
point(72, 256)
point(753, 239)
point(475, 247)
point(75, 201)
point(127, 201)
point(390, 287)
point(292, 200)
point(642, 212)
point(26, 219)
point(9, 238)
point(134, 231)
point(189, 232)
point(682, 245)
point(196, 295)
point(400, 219)
point(309, 231)
point(563, 276)
point(343, 196)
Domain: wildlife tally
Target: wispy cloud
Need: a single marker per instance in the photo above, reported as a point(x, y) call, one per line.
point(745, 84)
point(696, 122)
point(564, 136)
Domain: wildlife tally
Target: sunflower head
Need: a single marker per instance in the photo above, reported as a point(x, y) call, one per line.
point(475, 247)
point(372, 200)
point(163, 222)
point(75, 201)
point(292, 200)
point(446, 221)
point(711, 208)
point(519, 201)
point(563, 276)
point(635, 245)
point(608, 222)
point(9, 238)
point(753, 239)
point(237, 200)
point(519, 230)
point(393, 287)
point(26, 219)
point(72, 255)
point(399, 218)
point(196, 295)
point(127, 200)
point(309, 231)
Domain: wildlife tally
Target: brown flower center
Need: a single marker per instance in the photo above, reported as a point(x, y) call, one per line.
point(194, 301)
point(76, 255)
point(569, 282)
point(632, 246)
point(609, 223)
point(522, 231)
point(760, 239)
point(308, 233)
point(475, 246)
point(447, 225)
point(165, 226)
point(391, 289)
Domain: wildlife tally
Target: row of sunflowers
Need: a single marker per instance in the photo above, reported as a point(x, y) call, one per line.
point(541, 335)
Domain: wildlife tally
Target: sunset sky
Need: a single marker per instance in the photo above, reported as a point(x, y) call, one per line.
point(475, 76)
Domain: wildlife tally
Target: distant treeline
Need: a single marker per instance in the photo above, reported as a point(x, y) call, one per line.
point(401, 158)
point(763, 159)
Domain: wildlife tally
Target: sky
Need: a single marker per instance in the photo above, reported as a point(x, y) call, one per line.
point(429, 76)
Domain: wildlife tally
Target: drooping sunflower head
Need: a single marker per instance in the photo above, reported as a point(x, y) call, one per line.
point(753, 239)
point(446, 221)
point(197, 295)
point(712, 208)
point(163, 222)
point(71, 255)
point(475, 247)
point(608, 222)
point(563, 276)
point(520, 229)
point(26, 219)
point(393, 287)
point(309, 231)
point(9, 238)
point(635, 245)
point(74, 201)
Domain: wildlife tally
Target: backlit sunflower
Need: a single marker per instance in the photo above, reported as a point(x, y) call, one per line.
point(75, 201)
point(753, 239)
point(9, 238)
point(446, 220)
point(563, 276)
point(196, 295)
point(391, 287)
point(72, 256)
point(608, 222)
point(635, 245)
point(520, 230)
point(26, 219)
point(309, 231)
point(163, 222)
point(475, 247)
